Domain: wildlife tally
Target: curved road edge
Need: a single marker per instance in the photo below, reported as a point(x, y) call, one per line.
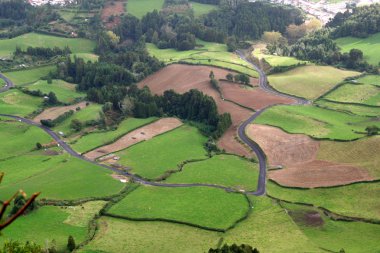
point(8, 83)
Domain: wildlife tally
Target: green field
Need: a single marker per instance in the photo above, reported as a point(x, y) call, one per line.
point(357, 200)
point(203, 206)
point(56, 177)
point(18, 138)
point(366, 94)
point(147, 237)
point(86, 57)
point(202, 9)
point(348, 108)
point(336, 235)
point(207, 53)
point(29, 76)
point(362, 153)
point(17, 103)
point(50, 223)
point(8, 46)
point(90, 112)
point(269, 229)
point(101, 138)
point(317, 122)
point(139, 8)
point(65, 92)
point(226, 170)
point(152, 158)
point(275, 60)
point(370, 79)
point(309, 81)
point(370, 47)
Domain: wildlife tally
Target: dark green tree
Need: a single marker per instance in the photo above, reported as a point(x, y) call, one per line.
point(71, 243)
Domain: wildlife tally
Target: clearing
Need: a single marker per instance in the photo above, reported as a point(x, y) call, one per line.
point(53, 112)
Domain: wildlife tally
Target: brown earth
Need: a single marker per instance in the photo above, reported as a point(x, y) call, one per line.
point(298, 154)
point(182, 78)
point(254, 98)
point(307, 218)
point(53, 112)
point(112, 8)
point(141, 134)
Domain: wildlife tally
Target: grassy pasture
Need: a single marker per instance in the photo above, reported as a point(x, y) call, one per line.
point(18, 138)
point(348, 108)
point(56, 177)
point(65, 92)
point(335, 235)
point(154, 157)
point(97, 139)
point(273, 60)
point(316, 122)
point(370, 79)
point(90, 112)
point(356, 93)
point(149, 237)
point(15, 102)
point(86, 57)
point(77, 45)
point(51, 222)
point(208, 53)
point(202, 9)
point(269, 229)
point(226, 170)
point(139, 8)
point(203, 206)
point(309, 81)
point(27, 76)
point(370, 47)
point(362, 153)
point(356, 200)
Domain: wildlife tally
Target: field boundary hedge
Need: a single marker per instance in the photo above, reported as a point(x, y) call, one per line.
point(332, 215)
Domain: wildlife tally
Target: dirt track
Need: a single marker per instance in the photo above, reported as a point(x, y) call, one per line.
point(53, 112)
point(182, 78)
point(298, 154)
point(141, 134)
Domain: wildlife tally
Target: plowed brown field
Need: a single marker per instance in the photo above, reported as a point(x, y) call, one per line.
point(298, 153)
point(53, 112)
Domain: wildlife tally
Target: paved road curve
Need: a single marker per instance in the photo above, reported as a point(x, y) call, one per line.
point(261, 188)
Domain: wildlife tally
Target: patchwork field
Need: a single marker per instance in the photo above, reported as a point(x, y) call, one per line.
point(201, 206)
point(366, 94)
point(152, 158)
point(54, 112)
point(334, 235)
point(96, 139)
point(207, 53)
point(309, 81)
point(57, 177)
point(226, 170)
point(139, 8)
point(64, 91)
point(349, 108)
point(18, 138)
point(301, 165)
point(370, 79)
point(8, 46)
point(15, 102)
point(369, 46)
point(50, 223)
point(317, 122)
point(28, 76)
point(355, 200)
point(138, 135)
point(87, 113)
point(273, 60)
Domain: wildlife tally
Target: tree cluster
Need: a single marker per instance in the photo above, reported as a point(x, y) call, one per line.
point(244, 248)
point(360, 22)
point(42, 52)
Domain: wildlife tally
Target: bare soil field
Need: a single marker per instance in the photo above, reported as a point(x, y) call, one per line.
point(141, 134)
point(254, 98)
point(115, 9)
point(53, 112)
point(299, 155)
point(182, 78)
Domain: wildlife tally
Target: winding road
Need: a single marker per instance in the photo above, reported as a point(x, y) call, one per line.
point(261, 187)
